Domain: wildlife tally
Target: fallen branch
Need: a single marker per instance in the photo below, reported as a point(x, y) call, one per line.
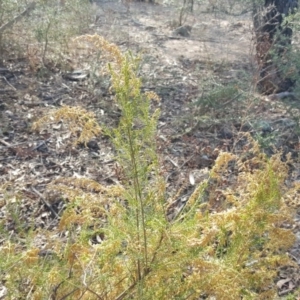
point(281, 95)
point(10, 23)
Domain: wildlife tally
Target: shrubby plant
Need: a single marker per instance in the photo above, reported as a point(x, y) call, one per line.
point(227, 242)
point(81, 123)
point(44, 34)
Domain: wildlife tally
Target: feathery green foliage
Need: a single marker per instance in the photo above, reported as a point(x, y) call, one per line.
point(80, 122)
point(227, 242)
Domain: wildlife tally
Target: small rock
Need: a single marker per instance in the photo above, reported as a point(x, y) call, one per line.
point(3, 292)
point(225, 133)
point(76, 75)
point(184, 30)
point(9, 113)
point(92, 145)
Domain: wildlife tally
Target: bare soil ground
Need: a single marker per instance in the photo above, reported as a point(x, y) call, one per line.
point(193, 127)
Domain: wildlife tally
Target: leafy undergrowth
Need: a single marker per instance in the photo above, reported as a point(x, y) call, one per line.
point(119, 242)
